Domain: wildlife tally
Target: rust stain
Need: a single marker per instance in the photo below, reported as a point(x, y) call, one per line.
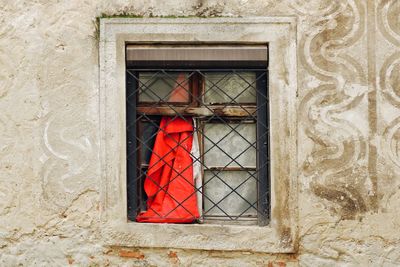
point(276, 264)
point(173, 256)
point(131, 254)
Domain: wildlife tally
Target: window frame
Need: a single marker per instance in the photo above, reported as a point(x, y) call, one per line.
point(197, 83)
point(281, 234)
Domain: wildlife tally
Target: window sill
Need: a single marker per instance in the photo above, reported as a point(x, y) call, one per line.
point(199, 236)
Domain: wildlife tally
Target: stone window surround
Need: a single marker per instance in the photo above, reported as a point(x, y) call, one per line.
point(280, 236)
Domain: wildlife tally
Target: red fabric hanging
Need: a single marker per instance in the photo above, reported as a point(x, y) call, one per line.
point(169, 182)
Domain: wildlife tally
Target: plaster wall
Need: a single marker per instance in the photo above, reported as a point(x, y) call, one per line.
point(348, 106)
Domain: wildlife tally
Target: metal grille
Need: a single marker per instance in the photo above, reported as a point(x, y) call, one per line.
point(228, 110)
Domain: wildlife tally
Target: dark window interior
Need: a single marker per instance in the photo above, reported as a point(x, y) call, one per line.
point(227, 103)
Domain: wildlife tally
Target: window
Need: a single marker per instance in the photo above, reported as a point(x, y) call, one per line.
point(220, 94)
point(119, 39)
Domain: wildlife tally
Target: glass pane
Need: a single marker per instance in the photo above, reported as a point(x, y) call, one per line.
point(160, 87)
point(218, 192)
point(222, 87)
point(142, 197)
point(234, 146)
point(147, 139)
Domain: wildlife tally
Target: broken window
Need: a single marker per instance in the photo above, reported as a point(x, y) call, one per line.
point(197, 134)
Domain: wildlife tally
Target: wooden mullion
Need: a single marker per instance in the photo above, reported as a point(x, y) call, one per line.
point(221, 111)
point(232, 168)
point(195, 84)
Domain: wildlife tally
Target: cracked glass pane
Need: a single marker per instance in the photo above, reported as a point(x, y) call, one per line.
point(224, 146)
point(223, 87)
point(221, 193)
point(163, 87)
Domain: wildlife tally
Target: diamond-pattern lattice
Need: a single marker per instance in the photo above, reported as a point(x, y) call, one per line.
point(226, 106)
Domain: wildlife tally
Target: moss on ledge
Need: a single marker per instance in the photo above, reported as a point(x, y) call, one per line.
point(134, 15)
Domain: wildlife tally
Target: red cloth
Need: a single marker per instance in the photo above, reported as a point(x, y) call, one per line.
point(169, 182)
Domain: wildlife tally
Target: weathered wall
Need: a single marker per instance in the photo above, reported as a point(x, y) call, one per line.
point(348, 143)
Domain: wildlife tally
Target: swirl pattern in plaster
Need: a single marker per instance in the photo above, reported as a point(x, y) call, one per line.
point(389, 76)
point(68, 168)
point(337, 162)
